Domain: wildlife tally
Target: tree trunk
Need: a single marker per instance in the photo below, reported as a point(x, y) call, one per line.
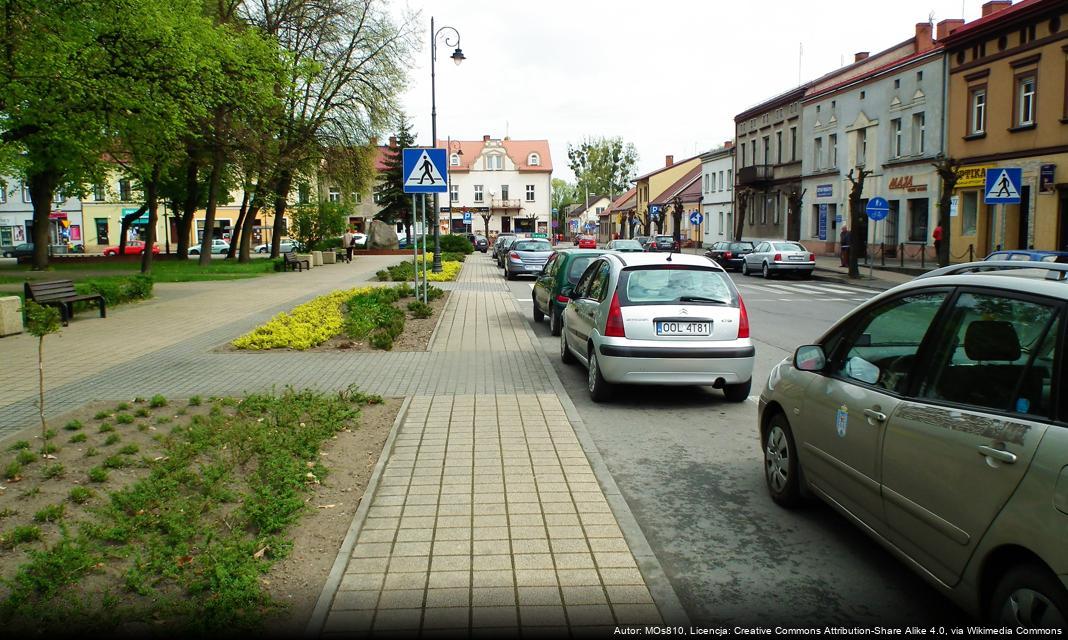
point(740, 211)
point(189, 206)
point(858, 221)
point(42, 189)
point(281, 193)
point(239, 227)
point(947, 171)
point(214, 180)
point(486, 219)
point(152, 202)
point(247, 225)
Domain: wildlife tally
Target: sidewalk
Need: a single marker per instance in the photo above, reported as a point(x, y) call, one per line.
point(829, 268)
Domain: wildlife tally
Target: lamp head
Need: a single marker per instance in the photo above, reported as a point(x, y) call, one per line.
point(458, 56)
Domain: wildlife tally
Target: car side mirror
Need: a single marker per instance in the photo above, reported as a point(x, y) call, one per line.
point(810, 358)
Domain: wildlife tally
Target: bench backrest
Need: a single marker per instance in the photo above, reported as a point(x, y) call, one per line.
point(45, 291)
point(290, 256)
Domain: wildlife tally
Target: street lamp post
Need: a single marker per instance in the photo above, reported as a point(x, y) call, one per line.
point(457, 57)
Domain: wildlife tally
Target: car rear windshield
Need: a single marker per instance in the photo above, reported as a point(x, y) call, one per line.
point(741, 246)
point(664, 238)
point(787, 246)
point(532, 245)
point(626, 243)
point(578, 267)
point(682, 284)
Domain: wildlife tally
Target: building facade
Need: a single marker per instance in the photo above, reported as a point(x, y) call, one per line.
point(65, 222)
point(717, 193)
point(498, 186)
point(1008, 107)
point(585, 217)
point(649, 187)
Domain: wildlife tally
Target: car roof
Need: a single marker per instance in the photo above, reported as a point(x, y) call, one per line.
point(646, 259)
point(1039, 278)
point(584, 252)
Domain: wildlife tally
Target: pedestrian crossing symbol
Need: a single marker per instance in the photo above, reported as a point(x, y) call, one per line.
point(425, 171)
point(1003, 185)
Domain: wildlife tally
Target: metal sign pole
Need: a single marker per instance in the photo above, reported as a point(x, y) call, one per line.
point(871, 258)
point(426, 282)
point(415, 251)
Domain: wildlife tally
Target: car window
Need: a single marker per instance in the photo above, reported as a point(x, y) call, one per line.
point(577, 266)
point(599, 284)
point(997, 353)
point(788, 246)
point(1020, 257)
point(550, 265)
point(741, 246)
point(661, 285)
point(885, 341)
point(583, 287)
point(532, 245)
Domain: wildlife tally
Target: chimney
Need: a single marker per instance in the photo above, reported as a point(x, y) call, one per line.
point(946, 27)
point(669, 160)
point(923, 37)
point(485, 138)
point(860, 55)
point(994, 6)
point(728, 144)
point(393, 141)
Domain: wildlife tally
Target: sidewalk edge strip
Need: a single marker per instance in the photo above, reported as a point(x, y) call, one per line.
point(333, 580)
point(663, 593)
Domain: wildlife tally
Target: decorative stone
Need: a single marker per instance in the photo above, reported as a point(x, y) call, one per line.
point(329, 257)
point(317, 258)
point(381, 235)
point(10, 315)
point(308, 257)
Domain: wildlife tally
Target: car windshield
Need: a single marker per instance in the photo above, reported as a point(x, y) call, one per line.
point(787, 246)
point(626, 244)
point(741, 246)
point(532, 245)
point(673, 285)
point(577, 267)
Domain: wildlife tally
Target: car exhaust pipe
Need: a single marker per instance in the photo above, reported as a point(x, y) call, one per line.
point(719, 383)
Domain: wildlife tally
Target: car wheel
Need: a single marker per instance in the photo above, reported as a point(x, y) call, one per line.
point(538, 315)
point(600, 389)
point(738, 392)
point(806, 275)
point(554, 322)
point(565, 352)
point(745, 268)
point(765, 271)
point(1029, 596)
point(780, 463)
point(508, 274)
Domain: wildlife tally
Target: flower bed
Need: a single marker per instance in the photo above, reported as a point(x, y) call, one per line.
point(405, 271)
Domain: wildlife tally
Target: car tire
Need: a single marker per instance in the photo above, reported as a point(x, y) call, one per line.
point(765, 271)
point(1029, 596)
point(745, 268)
point(807, 275)
point(565, 353)
point(781, 469)
point(508, 274)
point(600, 389)
point(538, 315)
point(738, 392)
point(555, 322)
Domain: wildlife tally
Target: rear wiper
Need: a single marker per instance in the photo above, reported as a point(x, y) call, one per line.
point(700, 299)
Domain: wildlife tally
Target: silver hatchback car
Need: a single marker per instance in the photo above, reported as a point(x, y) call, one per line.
point(656, 318)
point(935, 417)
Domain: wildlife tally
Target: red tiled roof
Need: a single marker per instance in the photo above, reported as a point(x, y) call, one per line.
point(517, 150)
point(622, 202)
point(975, 27)
point(897, 62)
point(678, 187)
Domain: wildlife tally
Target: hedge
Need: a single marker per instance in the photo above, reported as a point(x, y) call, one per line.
point(117, 290)
point(459, 244)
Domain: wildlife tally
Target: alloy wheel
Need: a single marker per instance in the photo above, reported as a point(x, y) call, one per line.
point(1030, 609)
point(591, 376)
point(766, 271)
point(777, 459)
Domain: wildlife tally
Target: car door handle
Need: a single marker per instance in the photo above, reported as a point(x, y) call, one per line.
point(878, 416)
point(1000, 455)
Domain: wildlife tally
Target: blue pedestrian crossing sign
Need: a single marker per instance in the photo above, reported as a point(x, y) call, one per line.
point(425, 171)
point(1003, 185)
point(696, 218)
point(878, 208)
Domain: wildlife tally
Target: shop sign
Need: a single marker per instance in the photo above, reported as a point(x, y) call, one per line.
point(954, 205)
point(57, 215)
point(823, 222)
point(1045, 179)
point(905, 182)
point(825, 191)
point(142, 220)
point(972, 176)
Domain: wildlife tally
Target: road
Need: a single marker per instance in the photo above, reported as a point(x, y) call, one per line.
point(689, 465)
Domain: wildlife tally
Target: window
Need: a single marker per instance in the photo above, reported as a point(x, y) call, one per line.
point(817, 154)
point(778, 146)
point(978, 111)
point(996, 352)
point(969, 212)
point(881, 348)
point(720, 180)
point(743, 154)
point(895, 138)
point(661, 286)
point(494, 162)
point(832, 147)
point(3, 193)
point(530, 193)
point(25, 192)
point(454, 160)
point(125, 192)
point(98, 193)
point(454, 192)
point(764, 210)
point(862, 94)
point(1025, 101)
point(919, 133)
point(752, 149)
point(334, 195)
point(704, 186)
point(504, 192)
point(774, 200)
point(897, 83)
point(478, 193)
point(793, 144)
point(730, 179)
point(358, 198)
point(713, 181)
point(767, 149)
point(919, 76)
point(862, 147)
point(534, 160)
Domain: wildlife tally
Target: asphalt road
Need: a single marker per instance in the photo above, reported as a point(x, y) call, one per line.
point(689, 465)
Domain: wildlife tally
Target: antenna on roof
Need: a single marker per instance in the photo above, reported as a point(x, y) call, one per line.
point(800, 55)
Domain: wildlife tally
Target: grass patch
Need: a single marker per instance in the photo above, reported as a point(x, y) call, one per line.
point(165, 270)
point(78, 437)
point(19, 535)
point(129, 450)
point(80, 495)
point(91, 451)
point(106, 427)
point(125, 418)
point(49, 448)
point(101, 415)
point(122, 406)
point(194, 401)
point(98, 474)
point(142, 413)
point(19, 444)
point(157, 401)
point(13, 470)
point(73, 425)
point(111, 439)
point(25, 457)
point(52, 471)
point(51, 513)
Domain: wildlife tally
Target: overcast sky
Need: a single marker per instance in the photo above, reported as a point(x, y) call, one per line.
point(667, 75)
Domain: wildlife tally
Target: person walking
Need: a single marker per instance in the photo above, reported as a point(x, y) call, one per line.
point(843, 240)
point(937, 235)
point(347, 242)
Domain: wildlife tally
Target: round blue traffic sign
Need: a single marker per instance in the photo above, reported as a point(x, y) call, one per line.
point(696, 218)
point(878, 208)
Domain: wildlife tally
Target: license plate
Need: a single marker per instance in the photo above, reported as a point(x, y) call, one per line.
point(797, 258)
point(683, 328)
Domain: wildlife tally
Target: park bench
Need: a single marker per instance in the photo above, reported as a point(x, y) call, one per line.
point(61, 293)
point(290, 261)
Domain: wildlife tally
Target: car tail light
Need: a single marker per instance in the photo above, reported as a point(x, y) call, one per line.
point(778, 257)
point(811, 257)
point(514, 256)
point(613, 327)
point(743, 320)
point(562, 299)
point(727, 255)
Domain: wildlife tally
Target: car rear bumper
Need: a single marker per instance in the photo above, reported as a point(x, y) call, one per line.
point(674, 365)
point(791, 266)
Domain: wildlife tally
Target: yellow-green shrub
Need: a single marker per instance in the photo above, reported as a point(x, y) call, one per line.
point(306, 326)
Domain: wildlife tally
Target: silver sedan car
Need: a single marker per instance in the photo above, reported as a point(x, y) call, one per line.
point(657, 318)
point(526, 257)
point(772, 257)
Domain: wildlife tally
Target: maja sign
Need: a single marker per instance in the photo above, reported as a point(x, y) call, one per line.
point(425, 171)
point(905, 182)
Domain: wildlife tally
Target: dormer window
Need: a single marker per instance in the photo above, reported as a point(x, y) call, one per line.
point(454, 160)
point(534, 160)
point(494, 162)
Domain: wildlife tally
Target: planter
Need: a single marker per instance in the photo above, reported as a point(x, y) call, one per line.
point(306, 256)
point(329, 257)
point(317, 258)
point(10, 315)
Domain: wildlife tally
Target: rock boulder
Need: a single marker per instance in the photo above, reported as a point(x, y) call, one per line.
point(381, 235)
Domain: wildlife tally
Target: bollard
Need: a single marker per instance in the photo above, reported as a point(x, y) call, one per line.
point(901, 254)
point(923, 255)
point(882, 254)
point(971, 253)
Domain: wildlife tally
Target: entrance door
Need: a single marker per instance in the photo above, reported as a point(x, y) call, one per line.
point(793, 222)
point(506, 224)
point(1022, 238)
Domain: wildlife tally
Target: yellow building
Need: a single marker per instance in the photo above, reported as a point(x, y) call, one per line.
point(650, 186)
point(1008, 107)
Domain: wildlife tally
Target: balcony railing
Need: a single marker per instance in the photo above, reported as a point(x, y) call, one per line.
point(498, 203)
point(755, 174)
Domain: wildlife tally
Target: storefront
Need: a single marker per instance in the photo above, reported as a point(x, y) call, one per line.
point(909, 225)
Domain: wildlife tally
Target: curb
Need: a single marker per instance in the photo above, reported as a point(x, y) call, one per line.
point(333, 579)
point(667, 601)
point(827, 275)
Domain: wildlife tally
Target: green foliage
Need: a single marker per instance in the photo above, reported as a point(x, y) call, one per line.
point(122, 406)
point(372, 316)
point(117, 290)
point(48, 447)
point(602, 166)
point(78, 437)
point(51, 513)
point(456, 244)
point(98, 474)
point(142, 412)
point(129, 449)
point(40, 320)
point(19, 535)
point(396, 206)
point(112, 438)
point(80, 495)
point(405, 271)
point(26, 457)
point(124, 418)
point(115, 462)
point(73, 425)
point(194, 401)
point(101, 415)
point(50, 433)
point(315, 222)
point(107, 426)
point(91, 452)
point(12, 470)
point(420, 309)
point(157, 401)
point(52, 471)
point(19, 444)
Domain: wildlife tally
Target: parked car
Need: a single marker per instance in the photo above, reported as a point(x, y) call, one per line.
point(133, 248)
point(933, 416)
point(217, 246)
point(662, 243)
point(729, 255)
point(403, 242)
point(502, 251)
point(20, 251)
point(499, 242)
point(1029, 255)
point(770, 258)
point(587, 242)
point(526, 256)
point(479, 242)
point(283, 247)
point(626, 246)
point(642, 319)
point(359, 240)
point(644, 240)
point(552, 288)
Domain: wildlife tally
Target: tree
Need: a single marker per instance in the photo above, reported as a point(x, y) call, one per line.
point(676, 215)
point(41, 321)
point(602, 165)
point(564, 194)
point(858, 219)
point(314, 222)
point(947, 171)
point(741, 206)
point(396, 205)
